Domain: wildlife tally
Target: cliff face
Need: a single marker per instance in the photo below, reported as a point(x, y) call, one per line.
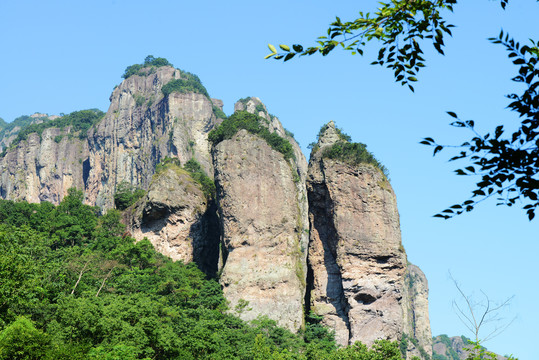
point(41, 169)
point(141, 127)
point(286, 237)
point(356, 256)
point(416, 312)
point(264, 227)
point(177, 219)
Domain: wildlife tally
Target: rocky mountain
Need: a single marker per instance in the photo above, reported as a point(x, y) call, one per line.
point(360, 279)
point(235, 195)
point(453, 348)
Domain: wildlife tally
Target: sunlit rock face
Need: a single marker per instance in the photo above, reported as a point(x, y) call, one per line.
point(263, 212)
point(141, 127)
point(43, 168)
point(178, 219)
point(357, 261)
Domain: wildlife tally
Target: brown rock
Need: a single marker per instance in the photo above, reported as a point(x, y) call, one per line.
point(177, 219)
point(41, 169)
point(416, 314)
point(356, 256)
point(140, 128)
point(263, 213)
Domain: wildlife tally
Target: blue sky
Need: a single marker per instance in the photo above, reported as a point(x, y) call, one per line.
point(62, 56)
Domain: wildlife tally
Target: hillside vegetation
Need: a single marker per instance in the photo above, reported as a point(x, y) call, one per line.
point(79, 122)
point(75, 287)
point(252, 123)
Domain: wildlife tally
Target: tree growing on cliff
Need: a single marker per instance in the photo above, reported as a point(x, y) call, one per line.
point(508, 165)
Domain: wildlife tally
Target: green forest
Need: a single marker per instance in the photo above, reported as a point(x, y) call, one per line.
point(75, 286)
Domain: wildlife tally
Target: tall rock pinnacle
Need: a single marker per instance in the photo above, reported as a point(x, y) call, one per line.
point(263, 210)
point(356, 256)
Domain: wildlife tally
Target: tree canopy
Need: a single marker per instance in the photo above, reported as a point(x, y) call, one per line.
point(507, 164)
point(75, 286)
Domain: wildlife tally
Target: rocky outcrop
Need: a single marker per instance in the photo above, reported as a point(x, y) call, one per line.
point(264, 228)
point(416, 312)
point(177, 219)
point(289, 238)
point(43, 168)
point(141, 127)
point(8, 132)
point(356, 256)
point(453, 348)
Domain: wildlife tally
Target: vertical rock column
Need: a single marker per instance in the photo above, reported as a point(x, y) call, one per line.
point(416, 314)
point(356, 256)
point(262, 230)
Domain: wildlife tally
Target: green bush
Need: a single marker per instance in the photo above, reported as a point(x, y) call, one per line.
point(353, 154)
point(139, 99)
point(194, 169)
point(126, 195)
point(347, 151)
point(167, 162)
point(250, 122)
point(79, 121)
point(197, 173)
point(260, 108)
point(218, 112)
point(150, 62)
point(188, 83)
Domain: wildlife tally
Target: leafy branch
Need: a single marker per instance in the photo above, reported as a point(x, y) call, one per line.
point(508, 165)
point(400, 26)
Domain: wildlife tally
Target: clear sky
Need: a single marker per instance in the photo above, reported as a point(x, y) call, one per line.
point(62, 56)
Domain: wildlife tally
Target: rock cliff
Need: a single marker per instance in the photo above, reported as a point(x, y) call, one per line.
point(141, 127)
point(42, 169)
point(416, 312)
point(357, 261)
point(262, 207)
point(178, 219)
point(287, 237)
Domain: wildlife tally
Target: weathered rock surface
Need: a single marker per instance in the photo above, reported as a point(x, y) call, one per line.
point(41, 169)
point(177, 219)
point(264, 226)
point(416, 314)
point(356, 277)
point(140, 128)
point(356, 256)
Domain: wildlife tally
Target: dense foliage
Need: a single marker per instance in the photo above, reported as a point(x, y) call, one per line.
point(188, 83)
point(74, 288)
point(218, 112)
point(21, 122)
point(400, 26)
point(126, 195)
point(195, 171)
point(250, 122)
point(348, 152)
point(150, 63)
point(79, 123)
point(199, 175)
point(353, 154)
point(506, 165)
